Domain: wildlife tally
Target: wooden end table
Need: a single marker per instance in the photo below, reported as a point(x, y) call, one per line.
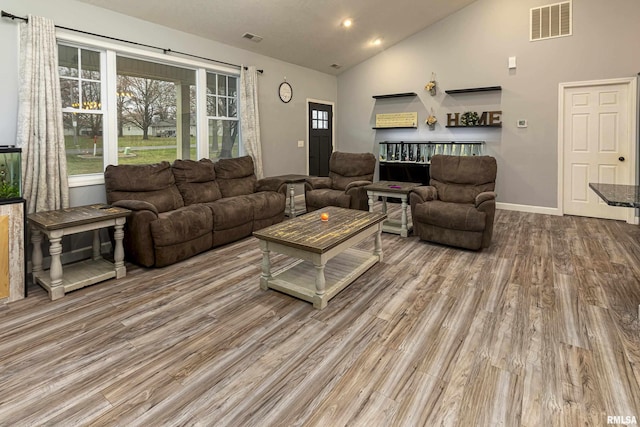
point(397, 189)
point(291, 180)
point(58, 223)
point(328, 262)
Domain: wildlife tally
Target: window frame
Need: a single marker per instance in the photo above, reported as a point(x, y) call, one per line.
point(108, 55)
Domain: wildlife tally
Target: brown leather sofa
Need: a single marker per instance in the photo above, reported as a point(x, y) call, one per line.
point(459, 205)
point(348, 174)
point(191, 206)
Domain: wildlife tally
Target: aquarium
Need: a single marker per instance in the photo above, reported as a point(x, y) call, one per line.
point(10, 173)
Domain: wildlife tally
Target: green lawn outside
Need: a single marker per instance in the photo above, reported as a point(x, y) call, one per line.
point(80, 160)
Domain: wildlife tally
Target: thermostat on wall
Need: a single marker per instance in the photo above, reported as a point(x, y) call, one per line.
point(522, 123)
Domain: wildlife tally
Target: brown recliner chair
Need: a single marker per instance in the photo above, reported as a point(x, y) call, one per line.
point(459, 205)
point(348, 173)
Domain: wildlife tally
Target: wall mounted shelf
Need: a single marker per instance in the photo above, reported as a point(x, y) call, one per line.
point(474, 89)
point(497, 125)
point(396, 127)
point(395, 95)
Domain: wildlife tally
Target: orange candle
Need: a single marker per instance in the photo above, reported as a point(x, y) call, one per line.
point(324, 216)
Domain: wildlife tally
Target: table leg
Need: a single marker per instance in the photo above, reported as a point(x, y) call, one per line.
point(319, 300)
point(404, 232)
point(292, 200)
point(384, 204)
point(118, 250)
point(55, 272)
point(266, 266)
point(370, 197)
point(96, 245)
point(36, 254)
point(378, 244)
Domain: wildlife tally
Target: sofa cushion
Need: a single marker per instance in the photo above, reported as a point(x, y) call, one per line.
point(457, 216)
point(152, 183)
point(196, 181)
point(230, 212)
point(267, 204)
point(327, 197)
point(181, 225)
point(235, 177)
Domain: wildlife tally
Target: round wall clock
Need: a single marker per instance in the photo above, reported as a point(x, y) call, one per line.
point(285, 91)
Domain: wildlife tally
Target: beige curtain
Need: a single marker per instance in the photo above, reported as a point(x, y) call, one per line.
point(250, 118)
point(40, 129)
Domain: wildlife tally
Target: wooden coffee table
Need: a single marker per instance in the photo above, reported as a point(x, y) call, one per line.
point(321, 273)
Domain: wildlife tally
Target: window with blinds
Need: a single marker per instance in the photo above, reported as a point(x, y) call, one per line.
point(550, 21)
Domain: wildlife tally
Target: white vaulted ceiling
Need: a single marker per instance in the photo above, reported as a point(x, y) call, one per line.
point(303, 32)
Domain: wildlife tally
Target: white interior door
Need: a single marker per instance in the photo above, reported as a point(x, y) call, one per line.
point(598, 133)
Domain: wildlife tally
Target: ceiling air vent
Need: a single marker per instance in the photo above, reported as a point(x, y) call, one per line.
point(336, 66)
point(253, 37)
point(550, 21)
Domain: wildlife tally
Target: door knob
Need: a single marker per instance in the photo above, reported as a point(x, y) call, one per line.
point(621, 158)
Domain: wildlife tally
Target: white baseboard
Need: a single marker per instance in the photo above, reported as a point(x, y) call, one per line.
point(528, 208)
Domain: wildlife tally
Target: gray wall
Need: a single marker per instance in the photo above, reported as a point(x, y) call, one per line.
point(282, 125)
point(471, 49)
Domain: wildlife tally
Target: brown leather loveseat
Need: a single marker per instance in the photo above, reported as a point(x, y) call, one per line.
point(191, 206)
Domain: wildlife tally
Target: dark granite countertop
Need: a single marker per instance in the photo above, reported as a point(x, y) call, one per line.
point(627, 196)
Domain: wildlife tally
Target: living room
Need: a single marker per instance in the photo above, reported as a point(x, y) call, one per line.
point(469, 48)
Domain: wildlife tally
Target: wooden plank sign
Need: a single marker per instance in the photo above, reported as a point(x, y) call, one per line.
point(397, 120)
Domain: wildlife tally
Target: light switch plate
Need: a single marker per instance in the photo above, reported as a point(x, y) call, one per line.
point(300, 144)
point(512, 62)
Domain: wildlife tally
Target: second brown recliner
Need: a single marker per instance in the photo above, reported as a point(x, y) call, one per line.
point(348, 174)
point(458, 207)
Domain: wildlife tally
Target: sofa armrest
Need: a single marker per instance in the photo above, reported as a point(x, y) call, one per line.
point(355, 184)
point(424, 193)
point(484, 197)
point(315, 182)
point(138, 242)
point(136, 205)
point(271, 184)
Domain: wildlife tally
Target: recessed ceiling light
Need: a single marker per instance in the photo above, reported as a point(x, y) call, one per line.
point(377, 42)
point(347, 23)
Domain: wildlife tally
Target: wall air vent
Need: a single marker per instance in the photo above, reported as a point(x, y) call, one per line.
point(550, 21)
point(253, 37)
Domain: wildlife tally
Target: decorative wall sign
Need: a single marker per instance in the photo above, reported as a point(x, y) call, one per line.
point(397, 120)
point(469, 118)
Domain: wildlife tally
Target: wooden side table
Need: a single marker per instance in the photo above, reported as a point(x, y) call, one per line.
point(59, 223)
point(398, 189)
point(291, 180)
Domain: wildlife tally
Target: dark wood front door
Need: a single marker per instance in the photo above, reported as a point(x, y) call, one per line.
point(320, 138)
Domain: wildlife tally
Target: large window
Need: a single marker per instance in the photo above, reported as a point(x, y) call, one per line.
point(156, 109)
point(152, 114)
point(222, 114)
point(81, 87)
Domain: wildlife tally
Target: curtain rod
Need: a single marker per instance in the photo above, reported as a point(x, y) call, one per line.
point(164, 50)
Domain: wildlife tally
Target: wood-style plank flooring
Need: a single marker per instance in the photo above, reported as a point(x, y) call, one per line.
point(540, 329)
